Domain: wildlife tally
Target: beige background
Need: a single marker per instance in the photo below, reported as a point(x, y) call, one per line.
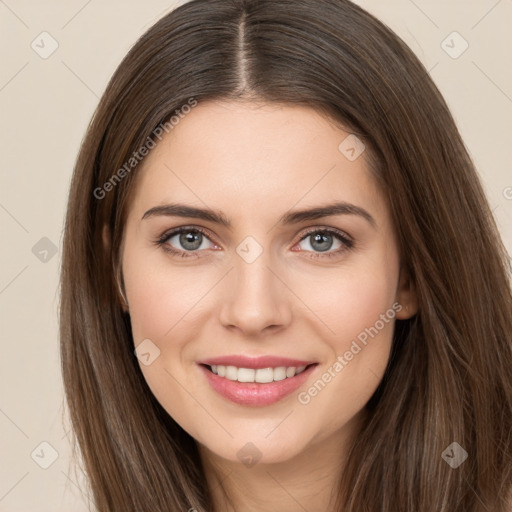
point(46, 105)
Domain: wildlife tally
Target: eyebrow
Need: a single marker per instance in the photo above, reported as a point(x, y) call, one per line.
point(294, 217)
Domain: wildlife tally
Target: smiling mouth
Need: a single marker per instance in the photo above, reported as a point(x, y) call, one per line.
point(256, 375)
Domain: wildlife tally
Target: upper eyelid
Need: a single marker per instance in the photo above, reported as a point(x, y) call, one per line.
point(183, 229)
point(338, 233)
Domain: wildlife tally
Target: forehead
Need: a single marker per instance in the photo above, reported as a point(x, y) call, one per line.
point(255, 156)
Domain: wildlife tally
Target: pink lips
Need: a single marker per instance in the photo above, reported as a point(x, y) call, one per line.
point(255, 393)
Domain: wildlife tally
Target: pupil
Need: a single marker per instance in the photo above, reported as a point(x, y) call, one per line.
point(321, 242)
point(191, 240)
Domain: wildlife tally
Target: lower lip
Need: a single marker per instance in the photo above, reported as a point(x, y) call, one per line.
point(254, 393)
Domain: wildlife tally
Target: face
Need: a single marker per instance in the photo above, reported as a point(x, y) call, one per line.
point(261, 282)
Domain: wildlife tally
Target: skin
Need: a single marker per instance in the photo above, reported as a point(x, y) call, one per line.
point(254, 163)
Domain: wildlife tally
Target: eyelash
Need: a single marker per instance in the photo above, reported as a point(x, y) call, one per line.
point(347, 242)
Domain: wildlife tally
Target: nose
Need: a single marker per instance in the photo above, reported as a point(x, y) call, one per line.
point(257, 301)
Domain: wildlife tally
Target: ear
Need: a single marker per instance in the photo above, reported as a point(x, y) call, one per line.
point(117, 276)
point(406, 296)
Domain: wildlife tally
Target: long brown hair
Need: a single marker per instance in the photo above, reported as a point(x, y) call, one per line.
point(450, 375)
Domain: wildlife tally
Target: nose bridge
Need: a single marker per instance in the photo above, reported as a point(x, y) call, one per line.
point(256, 298)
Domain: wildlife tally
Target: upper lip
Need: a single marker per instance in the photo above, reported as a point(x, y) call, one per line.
point(241, 361)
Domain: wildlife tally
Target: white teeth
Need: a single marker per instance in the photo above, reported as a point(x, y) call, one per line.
point(260, 375)
point(280, 373)
point(246, 374)
point(264, 375)
point(290, 371)
point(231, 372)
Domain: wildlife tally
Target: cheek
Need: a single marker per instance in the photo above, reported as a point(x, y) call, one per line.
point(355, 310)
point(160, 297)
point(351, 299)
point(162, 303)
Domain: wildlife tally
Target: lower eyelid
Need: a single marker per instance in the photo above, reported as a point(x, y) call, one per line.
point(319, 255)
point(346, 242)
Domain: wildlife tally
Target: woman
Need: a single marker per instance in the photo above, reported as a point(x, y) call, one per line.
point(282, 286)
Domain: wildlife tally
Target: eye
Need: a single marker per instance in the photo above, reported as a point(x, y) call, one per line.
point(187, 241)
point(321, 241)
point(183, 240)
